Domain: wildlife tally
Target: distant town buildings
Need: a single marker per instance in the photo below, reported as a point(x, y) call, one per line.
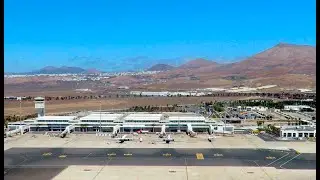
point(123, 87)
point(167, 93)
point(295, 107)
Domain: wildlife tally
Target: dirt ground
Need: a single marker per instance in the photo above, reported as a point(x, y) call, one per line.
point(27, 107)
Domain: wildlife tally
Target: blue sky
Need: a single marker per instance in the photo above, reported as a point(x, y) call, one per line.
point(116, 35)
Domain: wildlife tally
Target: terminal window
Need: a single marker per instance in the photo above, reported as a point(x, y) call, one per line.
point(300, 134)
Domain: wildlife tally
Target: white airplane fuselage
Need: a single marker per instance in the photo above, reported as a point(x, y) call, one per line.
point(163, 131)
point(190, 131)
point(168, 139)
point(124, 138)
point(115, 131)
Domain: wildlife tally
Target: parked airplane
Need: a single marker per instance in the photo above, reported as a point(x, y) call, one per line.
point(67, 131)
point(163, 131)
point(142, 131)
point(124, 138)
point(168, 139)
point(19, 130)
point(210, 138)
point(210, 130)
point(190, 131)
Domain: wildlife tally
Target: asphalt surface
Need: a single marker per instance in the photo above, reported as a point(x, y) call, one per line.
point(19, 162)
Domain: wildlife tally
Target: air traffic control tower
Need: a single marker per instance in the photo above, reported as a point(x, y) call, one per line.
point(39, 103)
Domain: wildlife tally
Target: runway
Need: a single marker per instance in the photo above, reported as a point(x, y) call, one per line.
point(23, 159)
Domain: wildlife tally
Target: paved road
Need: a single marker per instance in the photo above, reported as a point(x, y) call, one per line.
point(61, 157)
point(46, 163)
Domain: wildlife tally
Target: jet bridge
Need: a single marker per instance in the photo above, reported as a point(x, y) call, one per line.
point(211, 130)
point(163, 131)
point(116, 130)
point(67, 131)
point(190, 131)
point(21, 129)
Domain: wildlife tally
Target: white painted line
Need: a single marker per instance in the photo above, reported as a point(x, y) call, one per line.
point(87, 156)
point(278, 159)
point(14, 166)
point(289, 161)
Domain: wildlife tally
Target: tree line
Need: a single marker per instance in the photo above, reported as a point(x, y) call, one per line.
point(224, 94)
point(217, 106)
point(168, 108)
point(270, 103)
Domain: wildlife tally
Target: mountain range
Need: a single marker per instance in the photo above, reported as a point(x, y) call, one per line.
point(278, 60)
point(161, 67)
point(60, 70)
point(283, 63)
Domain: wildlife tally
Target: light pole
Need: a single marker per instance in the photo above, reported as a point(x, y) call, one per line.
point(20, 109)
point(100, 114)
point(224, 125)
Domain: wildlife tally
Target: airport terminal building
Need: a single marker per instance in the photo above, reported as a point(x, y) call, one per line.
point(296, 132)
point(129, 122)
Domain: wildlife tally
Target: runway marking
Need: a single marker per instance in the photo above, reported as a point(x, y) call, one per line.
point(87, 156)
point(127, 154)
point(270, 157)
point(47, 154)
point(289, 161)
point(199, 156)
point(112, 154)
point(62, 156)
point(218, 155)
point(15, 166)
point(278, 159)
point(167, 154)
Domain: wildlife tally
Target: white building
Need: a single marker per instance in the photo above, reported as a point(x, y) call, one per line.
point(252, 108)
point(98, 122)
point(131, 121)
point(145, 118)
point(259, 108)
point(200, 94)
point(295, 107)
point(298, 132)
point(136, 93)
point(164, 93)
point(50, 123)
point(179, 94)
point(15, 125)
point(123, 87)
